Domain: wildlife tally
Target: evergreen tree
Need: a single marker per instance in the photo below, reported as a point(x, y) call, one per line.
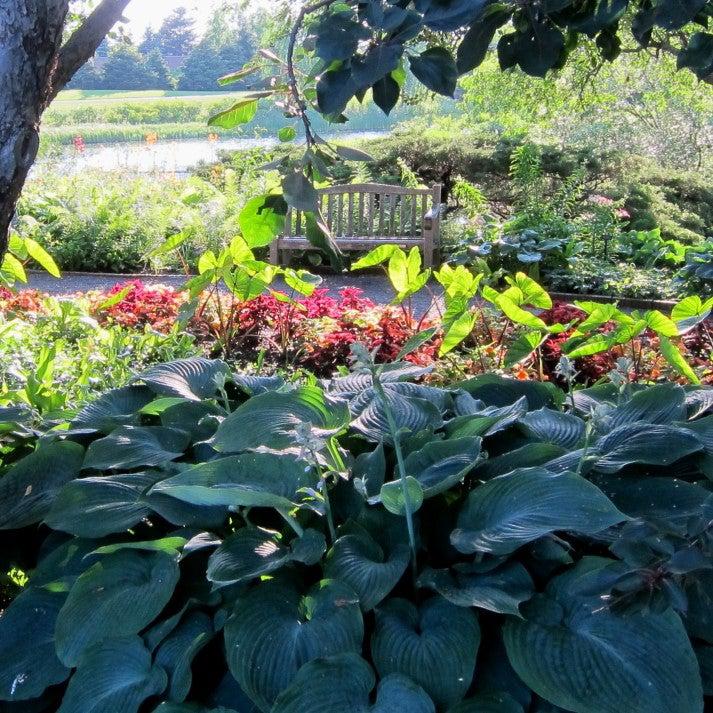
point(150, 42)
point(126, 69)
point(177, 35)
point(160, 74)
point(88, 77)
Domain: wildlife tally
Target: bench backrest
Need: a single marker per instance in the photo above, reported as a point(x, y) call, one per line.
point(371, 210)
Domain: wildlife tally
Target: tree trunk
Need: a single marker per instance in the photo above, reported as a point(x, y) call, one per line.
point(34, 67)
point(30, 40)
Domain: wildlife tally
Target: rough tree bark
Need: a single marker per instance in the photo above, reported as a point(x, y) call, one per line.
point(34, 67)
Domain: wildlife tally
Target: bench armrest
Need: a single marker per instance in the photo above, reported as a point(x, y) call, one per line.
point(433, 217)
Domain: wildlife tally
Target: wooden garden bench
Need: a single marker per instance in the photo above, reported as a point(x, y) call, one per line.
point(363, 216)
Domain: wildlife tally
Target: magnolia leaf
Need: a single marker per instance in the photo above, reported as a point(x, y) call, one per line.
point(436, 69)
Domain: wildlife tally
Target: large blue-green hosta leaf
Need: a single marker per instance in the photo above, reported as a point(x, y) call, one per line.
point(247, 480)
point(274, 630)
point(661, 403)
point(118, 407)
point(116, 597)
point(116, 676)
point(176, 653)
point(575, 653)
point(489, 703)
point(194, 379)
point(645, 443)
point(96, 507)
point(29, 487)
point(131, 447)
point(435, 645)
point(343, 683)
point(440, 465)
point(500, 589)
point(511, 510)
point(271, 420)
point(253, 552)
point(560, 429)
point(190, 708)
point(361, 563)
point(28, 662)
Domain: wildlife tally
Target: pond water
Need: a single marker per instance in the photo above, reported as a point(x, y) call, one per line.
point(163, 156)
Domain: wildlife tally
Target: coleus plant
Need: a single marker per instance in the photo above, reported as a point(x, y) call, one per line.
point(337, 51)
point(203, 541)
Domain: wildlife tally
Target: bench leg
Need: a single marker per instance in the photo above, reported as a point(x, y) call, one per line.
point(274, 253)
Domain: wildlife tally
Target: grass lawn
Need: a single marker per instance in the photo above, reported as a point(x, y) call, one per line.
point(84, 97)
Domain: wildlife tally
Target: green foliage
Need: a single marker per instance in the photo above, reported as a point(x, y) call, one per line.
point(289, 514)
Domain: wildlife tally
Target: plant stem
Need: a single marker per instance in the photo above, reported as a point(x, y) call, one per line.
point(402, 472)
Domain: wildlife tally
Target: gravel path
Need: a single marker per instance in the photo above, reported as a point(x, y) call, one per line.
point(375, 287)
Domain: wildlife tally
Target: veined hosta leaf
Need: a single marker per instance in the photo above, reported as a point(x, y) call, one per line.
point(561, 429)
point(343, 683)
point(114, 676)
point(253, 552)
point(500, 590)
point(487, 422)
point(96, 507)
point(28, 488)
point(354, 384)
point(527, 456)
point(440, 465)
point(489, 703)
point(274, 631)
point(435, 646)
point(575, 653)
point(176, 653)
point(500, 391)
point(118, 596)
point(135, 447)
point(410, 412)
point(361, 563)
point(118, 407)
point(270, 420)
point(514, 509)
point(28, 662)
point(398, 498)
point(247, 480)
point(661, 403)
point(194, 378)
point(645, 443)
point(190, 708)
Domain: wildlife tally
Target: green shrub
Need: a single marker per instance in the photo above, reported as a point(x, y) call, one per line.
point(206, 538)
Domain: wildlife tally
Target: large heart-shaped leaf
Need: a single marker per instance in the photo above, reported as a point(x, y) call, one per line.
point(247, 480)
point(270, 420)
point(500, 590)
point(580, 656)
point(118, 596)
point(360, 562)
point(253, 552)
point(661, 403)
point(645, 443)
point(28, 662)
point(275, 630)
point(490, 703)
point(435, 645)
point(136, 447)
point(195, 378)
point(511, 510)
point(118, 407)
point(190, 708)
point(561, 429)
point(440, 465)
point(344, 683)
point(96, 507)
point(114, 676)
point(176, 653)
point(28, 488)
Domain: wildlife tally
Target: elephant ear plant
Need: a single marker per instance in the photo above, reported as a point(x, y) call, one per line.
point(200, 541)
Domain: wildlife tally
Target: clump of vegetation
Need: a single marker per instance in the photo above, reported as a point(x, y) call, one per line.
point(442, 549)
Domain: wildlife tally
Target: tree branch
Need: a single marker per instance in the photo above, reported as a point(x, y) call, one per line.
point(82, 45)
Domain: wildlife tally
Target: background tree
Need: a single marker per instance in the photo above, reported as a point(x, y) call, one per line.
point(35, 64)
point(126, 69)
point(159, 74)
point(177, 34)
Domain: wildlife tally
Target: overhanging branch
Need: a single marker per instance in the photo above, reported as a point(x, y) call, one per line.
point(85, 41)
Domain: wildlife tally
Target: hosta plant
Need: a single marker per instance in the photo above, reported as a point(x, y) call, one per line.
point(201, 541)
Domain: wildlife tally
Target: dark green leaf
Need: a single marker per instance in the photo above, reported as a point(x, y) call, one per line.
point(436, 69)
